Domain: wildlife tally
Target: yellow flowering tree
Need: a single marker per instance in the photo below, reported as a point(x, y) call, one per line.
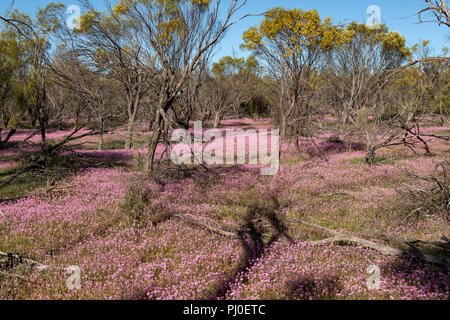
point(293, 44)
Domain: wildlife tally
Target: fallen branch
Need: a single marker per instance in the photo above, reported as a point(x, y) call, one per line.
point(31, 135)
point(14, 258)
point(12, 199)
point(71, 137)
point(58, 189)
point(336, 194)
point(338, 236)
point(24, 170)
point(444, 245)
point(10, 275)
point(322, 242)
point(223, 232)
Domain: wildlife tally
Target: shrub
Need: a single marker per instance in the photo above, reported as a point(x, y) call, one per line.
point(419, 203)
point(142, 206)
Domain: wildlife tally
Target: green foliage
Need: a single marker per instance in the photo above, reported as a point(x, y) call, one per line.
point(424, 87)
point(141, 208)
point(257, 105)
point(22, 51)
point(418, 203)
point(12, 63)
point(49, 18)
point(228, 66)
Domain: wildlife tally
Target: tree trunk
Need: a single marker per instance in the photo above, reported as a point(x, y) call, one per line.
point(10, 134)
point(43, 135)
point(282, 127)
point(425, 145)
point(217, 120)
point(186, 124)
point(77, 120)
point(370, 157)
point(345, 118)
point(129, 138)
point(148, 166)
point(133, 106)
point(297, 143)
point(102, 129)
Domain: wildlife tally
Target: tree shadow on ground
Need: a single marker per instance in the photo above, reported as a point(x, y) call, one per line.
point(261, 230)
point(308, 287)
point(32, 173)
point(431, 279)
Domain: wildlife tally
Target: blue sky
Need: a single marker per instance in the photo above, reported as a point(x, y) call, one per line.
point(399, 15)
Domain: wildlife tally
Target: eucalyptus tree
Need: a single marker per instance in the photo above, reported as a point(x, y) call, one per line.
point(362, 64)
point(229, 85)
point(361, 74)
point(114, 43)
point(422, 87)
point(11, 63)
point(35, 38)
point(180, 34)
point(98, 90)
point(438, 9)
point(293, 43)
point(189, 102)
point(12, 60)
